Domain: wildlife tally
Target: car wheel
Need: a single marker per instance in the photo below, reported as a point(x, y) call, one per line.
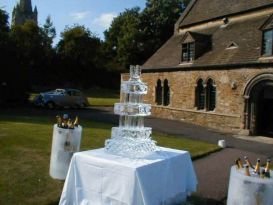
point(78, 106)
point(50, 105)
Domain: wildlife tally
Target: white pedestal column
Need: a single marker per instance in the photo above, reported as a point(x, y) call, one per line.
point(65, 142)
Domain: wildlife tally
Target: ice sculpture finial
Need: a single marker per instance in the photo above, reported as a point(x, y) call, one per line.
point(135, 72)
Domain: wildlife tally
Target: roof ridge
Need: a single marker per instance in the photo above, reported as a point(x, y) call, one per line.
point(196, 14)
point(184, 14)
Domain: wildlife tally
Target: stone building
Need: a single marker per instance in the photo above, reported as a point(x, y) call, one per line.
point(23, 12)
point(217, 68)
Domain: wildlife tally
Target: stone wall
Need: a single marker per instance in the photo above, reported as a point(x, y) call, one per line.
point(230, 86)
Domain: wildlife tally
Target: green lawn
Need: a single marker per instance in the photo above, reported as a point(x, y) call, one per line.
point(95, 96)
point(101, 97)
point(25, 146)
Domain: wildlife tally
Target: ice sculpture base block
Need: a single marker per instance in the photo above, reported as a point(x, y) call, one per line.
point(245, 190)
point(131, 142)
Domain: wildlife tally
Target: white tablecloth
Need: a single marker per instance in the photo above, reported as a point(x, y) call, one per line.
point(96, 177)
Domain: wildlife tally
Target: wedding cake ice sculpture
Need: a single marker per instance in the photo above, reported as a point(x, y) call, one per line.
point(131, 139)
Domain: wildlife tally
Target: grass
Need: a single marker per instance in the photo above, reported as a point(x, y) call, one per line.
point(25, 147)
point(95, 96)
point(101, 97)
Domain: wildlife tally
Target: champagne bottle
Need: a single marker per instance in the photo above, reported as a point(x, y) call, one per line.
point(59, 121)
point(267, 168)
point(70, 124)
point(238, 163)
point(247, 173)
point(262, 174)
point(248, 162)
point(65, 121)
point(258, 166)
point(76, 122)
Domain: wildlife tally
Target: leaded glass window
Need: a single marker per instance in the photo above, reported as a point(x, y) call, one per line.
point(200, 95)
point(188, 52)
point(158, 93)
point(267, 43)
point(166, 93)
point(210, 95)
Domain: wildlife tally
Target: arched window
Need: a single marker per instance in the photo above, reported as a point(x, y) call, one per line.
point(200, 95)
point(158, 93)
point(166, 93)
point(210, 95)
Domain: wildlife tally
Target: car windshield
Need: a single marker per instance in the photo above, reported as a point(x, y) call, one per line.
point(59, 91)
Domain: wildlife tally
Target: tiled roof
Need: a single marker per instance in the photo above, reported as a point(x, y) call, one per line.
point(203, 10)
point(245, 34)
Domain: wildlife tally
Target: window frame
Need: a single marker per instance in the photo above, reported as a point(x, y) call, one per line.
point(208, 93)
point(190, 52)
point(159, 92)
point(166, 93)
point(200, 94)
point(263, 39)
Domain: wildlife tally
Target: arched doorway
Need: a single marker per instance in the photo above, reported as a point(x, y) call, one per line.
point(259, 105)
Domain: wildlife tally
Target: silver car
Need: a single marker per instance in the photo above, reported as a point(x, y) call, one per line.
point(61, 98)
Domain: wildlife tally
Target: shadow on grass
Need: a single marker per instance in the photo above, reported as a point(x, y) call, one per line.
point(54, 203)
point(192, 200)
point(197, 200)
point(199, 156)
point(42, 115)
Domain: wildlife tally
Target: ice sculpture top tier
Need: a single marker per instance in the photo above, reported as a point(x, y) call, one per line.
point(134, 85)
point(131, 138)
point(132, 92)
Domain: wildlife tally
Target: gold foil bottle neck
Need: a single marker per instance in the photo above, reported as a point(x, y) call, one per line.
point(247, 173)
point(76, 122)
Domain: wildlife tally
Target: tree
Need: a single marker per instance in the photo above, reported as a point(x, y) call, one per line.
point(79, 52)
point(122, 39)
point(12, 82)
point(4, 25)
point(49, 30)
point(157, 23)
point(134, 36)
point(33, 50)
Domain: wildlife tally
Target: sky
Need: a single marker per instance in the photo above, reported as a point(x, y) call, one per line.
point(93, 14)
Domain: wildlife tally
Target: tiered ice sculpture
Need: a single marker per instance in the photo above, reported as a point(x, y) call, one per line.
point(131, 139)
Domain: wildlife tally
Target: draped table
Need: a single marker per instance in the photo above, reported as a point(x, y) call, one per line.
point(96, 177)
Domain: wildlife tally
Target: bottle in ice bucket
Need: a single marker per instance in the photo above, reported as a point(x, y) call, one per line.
point(262, 175)
point(65, 121)
point(257, 167)
point(238, 163)
point(59, 120)
point(247, 173)
point(76, 122)
point(70, 124)
point(248, 162)
point(267, 168)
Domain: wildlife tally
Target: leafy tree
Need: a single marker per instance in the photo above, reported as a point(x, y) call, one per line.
point(80, 54)
point(4, 25)
point(49, 30)
point(122, 39)
point(157, 23)
point(12, 82)
point(135, 35)
point(33, 51)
